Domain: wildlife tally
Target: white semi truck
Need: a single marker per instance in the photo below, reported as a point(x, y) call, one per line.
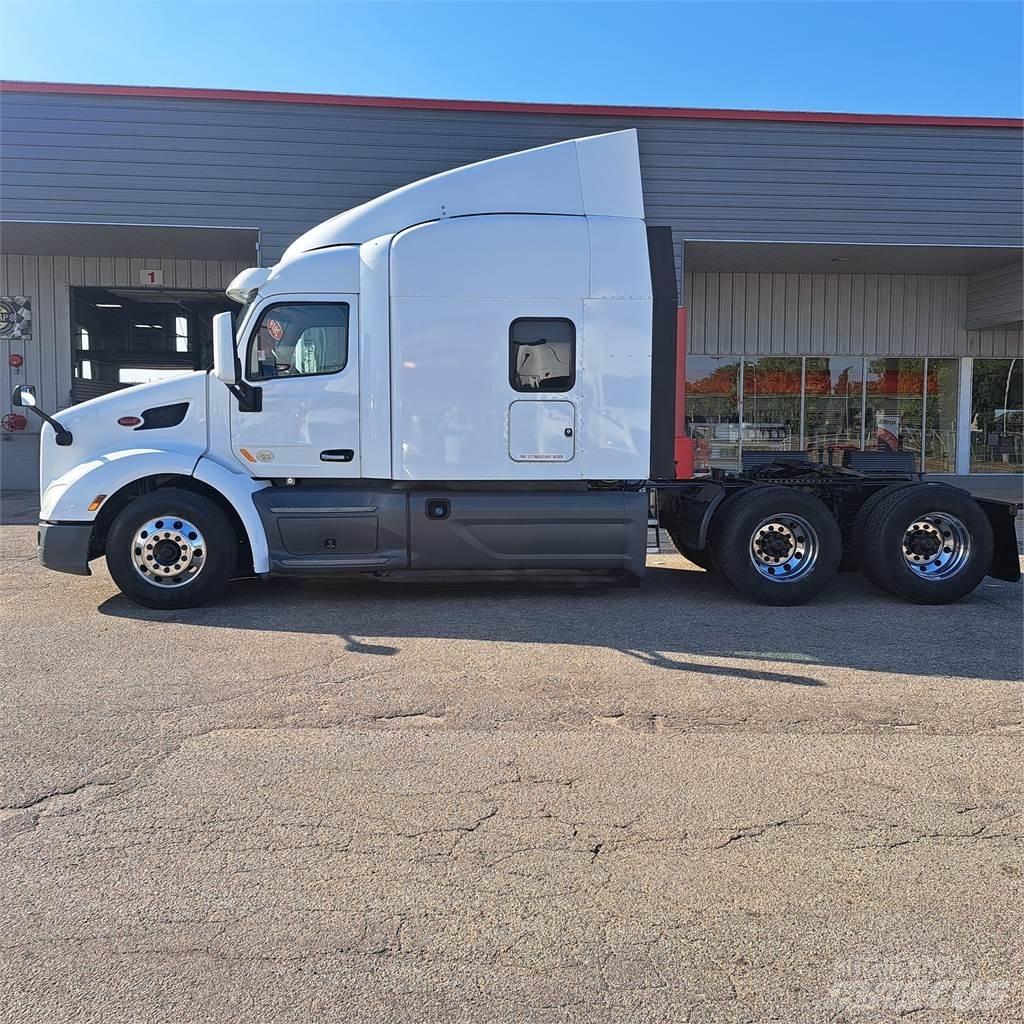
point(476, 373)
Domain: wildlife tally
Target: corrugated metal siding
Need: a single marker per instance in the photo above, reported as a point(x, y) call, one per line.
point(996, 297)
point(836, 314)
point(46, 279)
point(996, 342)
point(285, 167)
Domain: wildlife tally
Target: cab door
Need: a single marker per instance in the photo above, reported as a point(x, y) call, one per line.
point(302, 352)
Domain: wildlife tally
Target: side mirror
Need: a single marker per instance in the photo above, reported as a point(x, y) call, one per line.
point(226, 369)
point(24, 396)
point(225, 359)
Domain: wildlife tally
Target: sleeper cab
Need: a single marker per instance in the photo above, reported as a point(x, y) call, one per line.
point(521, 349)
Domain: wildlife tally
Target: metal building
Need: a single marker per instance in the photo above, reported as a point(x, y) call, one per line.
point(849, 280)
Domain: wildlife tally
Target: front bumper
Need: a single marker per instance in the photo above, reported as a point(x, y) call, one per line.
point(64, 547)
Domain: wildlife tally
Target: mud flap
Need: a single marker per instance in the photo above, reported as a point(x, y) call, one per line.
point(1005, 552)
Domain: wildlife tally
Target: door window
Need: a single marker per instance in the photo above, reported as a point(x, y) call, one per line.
point(302, 339)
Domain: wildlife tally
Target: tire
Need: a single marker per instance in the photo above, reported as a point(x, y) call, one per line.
point(151, 529)
point(852, 557)
point(776, 545)
point(906, 562)
point(700, 557)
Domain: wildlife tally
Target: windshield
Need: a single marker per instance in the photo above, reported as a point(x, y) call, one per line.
point(238, 318)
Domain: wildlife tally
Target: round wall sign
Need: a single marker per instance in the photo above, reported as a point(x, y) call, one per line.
point(8, 318)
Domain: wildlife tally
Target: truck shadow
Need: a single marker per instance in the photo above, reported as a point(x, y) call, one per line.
point(675, 616)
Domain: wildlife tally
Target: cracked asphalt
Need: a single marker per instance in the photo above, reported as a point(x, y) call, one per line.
point(413, 803)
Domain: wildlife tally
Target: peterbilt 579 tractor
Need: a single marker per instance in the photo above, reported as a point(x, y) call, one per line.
point(478, 373)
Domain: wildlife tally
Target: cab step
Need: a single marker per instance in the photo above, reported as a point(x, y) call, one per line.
point(653, 536)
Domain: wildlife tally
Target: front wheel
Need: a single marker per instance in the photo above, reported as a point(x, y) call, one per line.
point(928, 543)
point(171, 549)
point(776, 545)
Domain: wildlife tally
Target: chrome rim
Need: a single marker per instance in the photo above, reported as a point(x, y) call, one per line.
point(936, 546)
point(784, 548)
point(168, 551)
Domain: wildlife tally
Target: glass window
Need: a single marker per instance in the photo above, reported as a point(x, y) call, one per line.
point(895, 402)
point(713, 409)
point(542, 354)
point(833, 397)
point(997, 416)
point(181, 334)
point(771, 403)
point(299, 340)
point(943, 382)
point(84, 370)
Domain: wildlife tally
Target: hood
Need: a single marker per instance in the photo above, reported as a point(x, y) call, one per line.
point(165, 414)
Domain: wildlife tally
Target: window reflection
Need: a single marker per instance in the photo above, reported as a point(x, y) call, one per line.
point(997, 416)
point(712, 409)
point(771, 403)
point(833, 398)
point(940, 416)
point(895, 402)
point(831, 404)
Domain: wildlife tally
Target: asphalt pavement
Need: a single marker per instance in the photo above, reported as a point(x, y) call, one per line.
point(410, 802)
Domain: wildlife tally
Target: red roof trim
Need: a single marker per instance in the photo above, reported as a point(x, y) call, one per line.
point(692, 113)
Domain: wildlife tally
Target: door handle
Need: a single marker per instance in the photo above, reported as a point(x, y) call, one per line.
point(337, 455)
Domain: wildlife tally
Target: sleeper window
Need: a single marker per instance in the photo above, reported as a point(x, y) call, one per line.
point(300, 339)
point(543, 354)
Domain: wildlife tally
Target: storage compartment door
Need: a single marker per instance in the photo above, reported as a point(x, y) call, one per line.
point(541, 431)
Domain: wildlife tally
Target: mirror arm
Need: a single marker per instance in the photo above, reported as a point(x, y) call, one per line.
point(63, 438)
point(250, 399)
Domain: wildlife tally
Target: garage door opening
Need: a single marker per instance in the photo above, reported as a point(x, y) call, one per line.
point(126, 336)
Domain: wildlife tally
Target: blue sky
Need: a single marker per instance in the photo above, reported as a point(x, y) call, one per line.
point(920, 57)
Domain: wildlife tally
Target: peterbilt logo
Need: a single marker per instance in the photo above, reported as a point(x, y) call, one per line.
point(129, 421)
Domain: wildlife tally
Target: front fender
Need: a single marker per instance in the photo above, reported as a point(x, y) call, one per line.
point(239, 488)
point(68, 497)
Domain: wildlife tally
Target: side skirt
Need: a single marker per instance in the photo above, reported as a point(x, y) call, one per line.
point(315, 531)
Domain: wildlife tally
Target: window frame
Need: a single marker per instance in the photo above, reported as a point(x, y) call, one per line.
point(512, 374)
point(255, 329)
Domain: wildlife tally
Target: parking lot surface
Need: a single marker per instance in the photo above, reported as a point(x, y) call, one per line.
point(383, 802)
